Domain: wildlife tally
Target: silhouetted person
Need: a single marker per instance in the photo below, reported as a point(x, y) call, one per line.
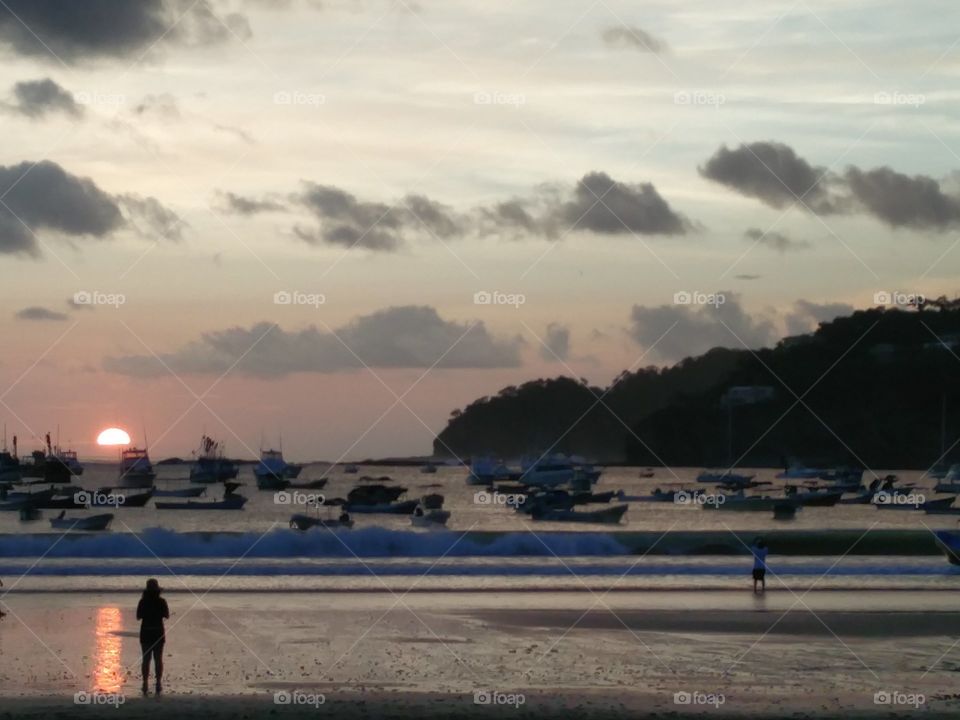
point(759, 550)
point(151, 612)
point(2, 613)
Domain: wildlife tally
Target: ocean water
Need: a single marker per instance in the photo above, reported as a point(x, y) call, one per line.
point(484, 547)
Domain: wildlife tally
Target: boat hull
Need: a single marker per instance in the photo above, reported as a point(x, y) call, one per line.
point(305, 522)
point(232, 502)
point(137, 481)
point(607, 516)
point(401, 508)
point(92, 524)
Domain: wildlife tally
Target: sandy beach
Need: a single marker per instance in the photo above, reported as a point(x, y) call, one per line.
point(718, 654)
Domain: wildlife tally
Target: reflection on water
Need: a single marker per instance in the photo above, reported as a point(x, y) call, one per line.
point(108, 670)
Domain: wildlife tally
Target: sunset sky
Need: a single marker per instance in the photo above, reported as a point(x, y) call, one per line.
point(273, 217)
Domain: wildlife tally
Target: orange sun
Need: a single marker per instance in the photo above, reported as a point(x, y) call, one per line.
point(113, 436)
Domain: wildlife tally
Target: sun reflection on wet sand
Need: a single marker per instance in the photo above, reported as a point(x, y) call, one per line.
point(108, 672)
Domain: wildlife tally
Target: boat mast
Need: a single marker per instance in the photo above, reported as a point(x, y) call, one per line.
point(943, 426)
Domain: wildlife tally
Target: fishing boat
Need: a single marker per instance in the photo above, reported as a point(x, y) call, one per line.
point(273, 466)
point(136, 470)
point(547, 471)
point(16, 500)
point(750, 503)
point(309, 484)
point(69, 458)
point(724, 477)
point(800, 472)
point(428, 468)
point(657, 496)
point(48, 465)
point(229, 502)
point(210, 465)
point(272, 482)
point(487, 471)
point(190, 492)
point(405, 507)
point(91, 523)
point(606, 516)
point(949, 543)
point(950, 482)
point(813, 497)
point(374, 494)
point(646, 473)
point(9, 462)
point(300, 521)
point(423, 517)
point(350, 469)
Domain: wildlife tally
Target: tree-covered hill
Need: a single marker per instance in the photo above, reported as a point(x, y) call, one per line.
point(868, 388)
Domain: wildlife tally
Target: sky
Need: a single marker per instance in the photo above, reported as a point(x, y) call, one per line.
point(338, 222)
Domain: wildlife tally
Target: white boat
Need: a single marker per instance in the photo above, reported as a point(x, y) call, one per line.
point(548, 471)
point(136, 470)
point(950, 482)
point(487, 471)
point(273, 466)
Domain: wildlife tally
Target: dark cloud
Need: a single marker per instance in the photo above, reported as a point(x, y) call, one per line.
point(602, 205)
point(36, 98)
point(556, 343)
point(900, 200)
point(44, 198)
point(438, 219)
point(350, 222)
point(73, 31)
point(511, 216)
point(347, 221)
point(774, 174)
point(597, 203)
point(151, 219)
point(697, 329)
point(775, 240)
point(41, 314)
point(240, 205)
point(397, 337)
point(806, 315)
point(633, 37)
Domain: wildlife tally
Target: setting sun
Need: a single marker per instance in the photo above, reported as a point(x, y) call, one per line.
point(113, 436)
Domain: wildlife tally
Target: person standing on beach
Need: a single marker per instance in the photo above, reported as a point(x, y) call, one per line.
point(152, 610)
point(759, 550)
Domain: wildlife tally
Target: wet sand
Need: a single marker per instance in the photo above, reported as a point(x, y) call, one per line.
point(427, 655)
